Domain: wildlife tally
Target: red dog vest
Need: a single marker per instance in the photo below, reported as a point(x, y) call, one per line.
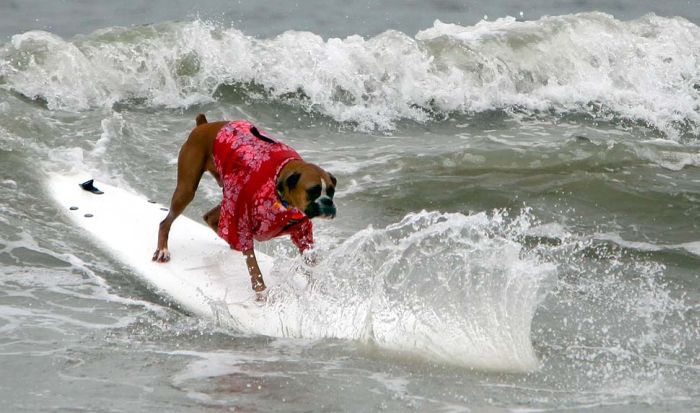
point(249, 163)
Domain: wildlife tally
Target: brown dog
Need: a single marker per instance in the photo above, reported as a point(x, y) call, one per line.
point(268, 190)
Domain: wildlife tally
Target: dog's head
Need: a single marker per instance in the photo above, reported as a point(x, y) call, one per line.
point(308, 188)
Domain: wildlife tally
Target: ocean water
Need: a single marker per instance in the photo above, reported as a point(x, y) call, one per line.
point(519, 204)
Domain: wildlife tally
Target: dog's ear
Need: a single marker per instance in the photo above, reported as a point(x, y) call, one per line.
point(292, 180)
point(335, 181)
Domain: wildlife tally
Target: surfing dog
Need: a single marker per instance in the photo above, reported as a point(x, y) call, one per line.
point(268, 189)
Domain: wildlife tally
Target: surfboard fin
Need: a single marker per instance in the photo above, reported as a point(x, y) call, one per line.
point(90, 187)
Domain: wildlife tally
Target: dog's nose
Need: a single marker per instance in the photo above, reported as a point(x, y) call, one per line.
point(326, 207)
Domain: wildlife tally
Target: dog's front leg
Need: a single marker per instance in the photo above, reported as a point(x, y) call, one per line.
point(190, 167)
point(256, 278)
point(181, 198)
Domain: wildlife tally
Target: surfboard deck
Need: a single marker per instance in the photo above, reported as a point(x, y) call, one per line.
point(204, 276)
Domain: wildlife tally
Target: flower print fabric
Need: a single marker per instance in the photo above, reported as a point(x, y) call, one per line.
point(249, 163)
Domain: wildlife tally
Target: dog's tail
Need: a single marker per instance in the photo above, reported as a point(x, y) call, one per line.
point(200, 119)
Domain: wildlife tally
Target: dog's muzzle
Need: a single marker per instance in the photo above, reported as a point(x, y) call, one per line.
point(323, 207)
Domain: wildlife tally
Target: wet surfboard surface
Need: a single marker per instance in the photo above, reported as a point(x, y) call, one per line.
point(204, 276)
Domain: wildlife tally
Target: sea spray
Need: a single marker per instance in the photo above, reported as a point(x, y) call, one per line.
point(447, 287)
point(613, 321)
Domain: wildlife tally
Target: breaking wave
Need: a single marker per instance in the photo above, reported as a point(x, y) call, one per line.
point(645, 71)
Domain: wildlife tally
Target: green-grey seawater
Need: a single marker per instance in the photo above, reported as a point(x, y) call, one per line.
point(521, 196)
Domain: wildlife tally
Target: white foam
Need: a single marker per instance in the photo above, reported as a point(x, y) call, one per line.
point(207, 365)
point(692, 247)
point(637, 69)
point(674, 161)
point(549, 230)
point(642, 70)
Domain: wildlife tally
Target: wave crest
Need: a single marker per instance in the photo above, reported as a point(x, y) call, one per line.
point(645, 70)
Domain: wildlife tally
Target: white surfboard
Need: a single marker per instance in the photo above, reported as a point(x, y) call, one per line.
point(204, 276)
point(208, 279)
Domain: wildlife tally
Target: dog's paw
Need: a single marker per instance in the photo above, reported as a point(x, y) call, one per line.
point(310, 258)
point(261, 296)
point(161, 255)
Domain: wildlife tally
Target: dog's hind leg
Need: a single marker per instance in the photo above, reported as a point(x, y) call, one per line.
point(212, 218)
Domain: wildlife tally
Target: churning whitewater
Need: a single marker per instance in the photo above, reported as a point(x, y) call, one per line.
point(642, 71)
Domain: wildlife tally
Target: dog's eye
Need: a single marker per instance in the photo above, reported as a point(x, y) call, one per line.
point(330, 192)
point(314, 192)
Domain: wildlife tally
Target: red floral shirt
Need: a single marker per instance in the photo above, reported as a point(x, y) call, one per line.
point(249, 162)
